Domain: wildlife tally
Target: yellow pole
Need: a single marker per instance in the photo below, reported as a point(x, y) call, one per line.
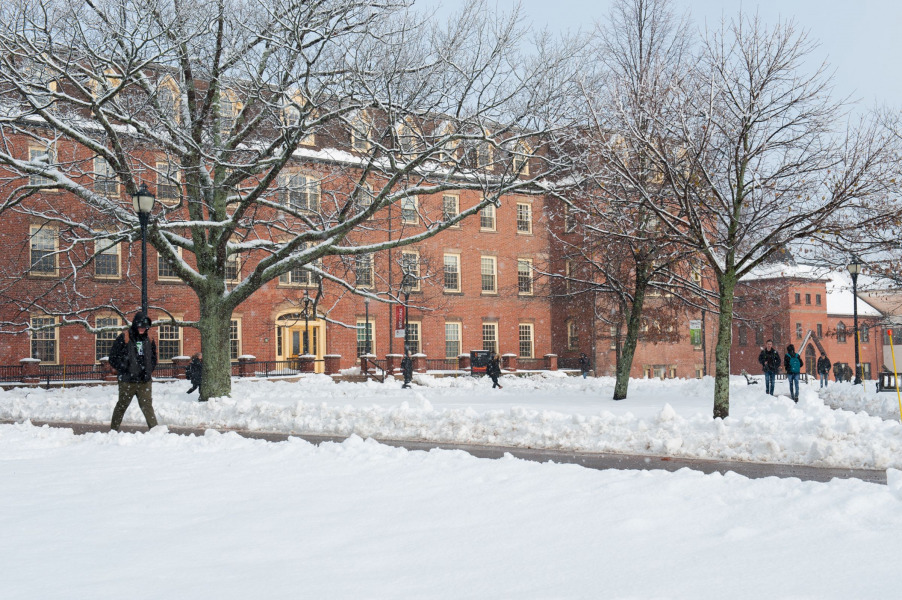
point(895, 373)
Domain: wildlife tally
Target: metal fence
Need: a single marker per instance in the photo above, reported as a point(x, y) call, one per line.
point(10, 373)
point(50, 373)
point(442, 364)
point(530, 364)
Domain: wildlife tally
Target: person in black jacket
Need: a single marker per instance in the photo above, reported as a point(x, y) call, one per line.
point(407, 369)
point(823, 368)
point(770, 363)
point(194, 371)
point(134, 356)
point(838, 372)
point(493, 370)
point(584, 364)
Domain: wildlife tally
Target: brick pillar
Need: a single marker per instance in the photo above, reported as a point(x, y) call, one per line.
point(419, 362)
point(107, 370)
point(180, 363)
point(392, 363)
point(333, 364)
point(551, 362)
point(31, 373)
point(245, 368)
point(463, 362)
point(306, 364)
point(509, 362)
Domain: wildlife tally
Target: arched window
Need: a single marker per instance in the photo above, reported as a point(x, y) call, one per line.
point(841, 332)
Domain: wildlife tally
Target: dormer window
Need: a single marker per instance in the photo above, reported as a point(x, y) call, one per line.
point(291, 115)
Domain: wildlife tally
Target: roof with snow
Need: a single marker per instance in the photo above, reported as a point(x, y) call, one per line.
point(838, 283)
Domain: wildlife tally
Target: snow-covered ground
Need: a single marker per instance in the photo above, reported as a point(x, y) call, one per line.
point(670, 417)
point(164, 516)
point(864, 398)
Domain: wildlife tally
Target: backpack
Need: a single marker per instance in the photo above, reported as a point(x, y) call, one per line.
point(795, 363)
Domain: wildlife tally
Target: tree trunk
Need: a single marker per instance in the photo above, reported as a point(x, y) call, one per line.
point(633, 327)
point(727, 284)
point(214, 335)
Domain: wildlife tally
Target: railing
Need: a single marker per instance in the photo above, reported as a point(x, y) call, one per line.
point(567, 362)
point(366, 363)
point(10, 372)
point(167, 371)
point(530, 364)
point(442, 364)
point(50, 373)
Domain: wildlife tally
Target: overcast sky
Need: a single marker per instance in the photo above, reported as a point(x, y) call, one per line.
point(861, 39)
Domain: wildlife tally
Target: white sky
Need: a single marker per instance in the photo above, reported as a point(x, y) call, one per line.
point(860, 38)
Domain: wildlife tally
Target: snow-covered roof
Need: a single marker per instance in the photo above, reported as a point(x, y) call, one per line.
point(838, 283)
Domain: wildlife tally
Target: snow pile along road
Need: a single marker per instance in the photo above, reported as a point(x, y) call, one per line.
point(670, 417)
point(862, 398)
point(148, 516)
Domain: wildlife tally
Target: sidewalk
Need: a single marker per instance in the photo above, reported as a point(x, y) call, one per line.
point(589, 460)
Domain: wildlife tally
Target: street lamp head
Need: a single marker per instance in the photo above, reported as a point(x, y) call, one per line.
point(407, 284)
point(366, 300)
point(854, 267)
point(143, 200)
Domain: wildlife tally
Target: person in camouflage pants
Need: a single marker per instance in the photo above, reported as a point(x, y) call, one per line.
point(134, 356)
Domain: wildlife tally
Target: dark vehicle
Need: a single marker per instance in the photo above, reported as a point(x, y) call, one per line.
point(479, 360)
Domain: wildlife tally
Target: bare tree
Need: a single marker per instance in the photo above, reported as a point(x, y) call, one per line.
point(644, 52)
point(219, 102)
point(757, 154)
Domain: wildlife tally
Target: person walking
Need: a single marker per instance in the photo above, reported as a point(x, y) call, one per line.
point(793, 364)
point(584, 364)
point(838, 372)
point(194, 371)
point(134, 356)
point(847, 373)
point(407, 369)
point(770, 363)
point(823, 369)
point(493, 370)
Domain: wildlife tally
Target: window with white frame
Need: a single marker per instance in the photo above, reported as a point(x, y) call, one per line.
point(168, 187)
point(409, 214)
point(105, 181)
point(483, 154)
point(490, 337)
point(521, 158)
point(572, 335)
point(43, 339)
point(361, 129)
point(41, 154)
point(410, 263)
point(106, 259)
point(570, 221)
point(524, 276)
point(414, 341)
point(300, 276)
point(525, 338)
point(364, 198)
point(450, 208)
point(232, 268)
point(234, 339)
point(365, 333)
point(229, 107)
point(452, 339)
point(524, 217)
point(487, 218)
point(170, 342)
point(44, 243)
point(299, 191)
point(452, 272)
point(489, 273)
point(364, 270)
point(164, 269)
point(103, 340)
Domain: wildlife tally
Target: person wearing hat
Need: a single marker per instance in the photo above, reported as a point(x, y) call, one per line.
point(134, 356)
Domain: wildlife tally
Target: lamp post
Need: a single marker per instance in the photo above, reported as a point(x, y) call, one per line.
point(406, 287)
point(366, 304)
point(306, 312)
point(854, 269)
point(143, 201)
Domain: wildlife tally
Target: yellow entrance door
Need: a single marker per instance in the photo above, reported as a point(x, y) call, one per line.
point(301, 339)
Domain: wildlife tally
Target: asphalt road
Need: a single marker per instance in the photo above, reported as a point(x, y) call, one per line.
point(590, 460)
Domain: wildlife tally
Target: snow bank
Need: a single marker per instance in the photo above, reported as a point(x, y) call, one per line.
point(148, 516)
point(670, 417)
